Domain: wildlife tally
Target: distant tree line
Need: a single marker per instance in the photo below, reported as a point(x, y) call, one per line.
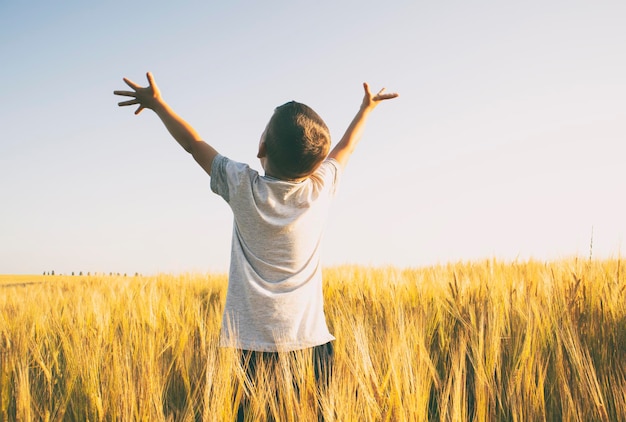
point(80, 273)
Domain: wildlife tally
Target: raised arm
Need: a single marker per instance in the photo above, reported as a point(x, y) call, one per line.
point(345, 147)
point(150, 98)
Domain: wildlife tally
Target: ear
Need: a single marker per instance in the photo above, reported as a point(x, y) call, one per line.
point(262, 151)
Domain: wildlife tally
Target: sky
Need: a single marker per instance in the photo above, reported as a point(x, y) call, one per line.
point(508, 139)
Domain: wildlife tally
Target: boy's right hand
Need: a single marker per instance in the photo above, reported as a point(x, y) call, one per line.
point(371, 101)
point(343, 150)
point(148, 97)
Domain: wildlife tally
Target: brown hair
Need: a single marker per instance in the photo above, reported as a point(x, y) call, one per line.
point(296, 140)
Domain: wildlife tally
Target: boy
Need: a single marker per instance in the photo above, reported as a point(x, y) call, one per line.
point(274, 300)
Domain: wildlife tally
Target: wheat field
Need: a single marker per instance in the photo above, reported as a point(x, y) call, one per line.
point(484, 341)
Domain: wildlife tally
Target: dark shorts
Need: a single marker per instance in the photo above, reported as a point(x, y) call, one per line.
point(322, 361)
point(322, 355)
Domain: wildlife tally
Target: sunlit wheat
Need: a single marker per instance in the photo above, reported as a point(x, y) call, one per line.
point(466, 341)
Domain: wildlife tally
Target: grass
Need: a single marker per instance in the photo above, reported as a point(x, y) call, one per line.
point(465, 341)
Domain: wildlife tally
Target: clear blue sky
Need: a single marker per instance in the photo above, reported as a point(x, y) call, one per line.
point(508, 139)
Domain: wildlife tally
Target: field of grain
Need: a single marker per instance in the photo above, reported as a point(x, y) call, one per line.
point(466, 341)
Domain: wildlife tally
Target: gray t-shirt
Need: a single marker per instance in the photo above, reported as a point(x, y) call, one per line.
point(274, 300)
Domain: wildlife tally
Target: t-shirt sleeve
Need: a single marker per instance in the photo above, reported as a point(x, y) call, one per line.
point(330, 172)
point(219, 180)
point(229, 177)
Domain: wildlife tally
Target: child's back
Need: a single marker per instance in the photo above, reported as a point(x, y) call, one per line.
point(274, 300)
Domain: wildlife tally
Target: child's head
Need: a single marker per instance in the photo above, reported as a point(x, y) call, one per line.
point(296, 141)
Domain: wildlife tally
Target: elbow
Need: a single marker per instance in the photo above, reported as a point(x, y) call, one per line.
point(191, 146)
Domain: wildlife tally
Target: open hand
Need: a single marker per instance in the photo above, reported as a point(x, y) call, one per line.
point(370, 101)
point(147, 97)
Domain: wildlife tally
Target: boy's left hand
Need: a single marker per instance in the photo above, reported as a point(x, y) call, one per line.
point(148, 97)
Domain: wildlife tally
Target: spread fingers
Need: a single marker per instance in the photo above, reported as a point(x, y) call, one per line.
point(125, 93)
point(131, 84)
point(127, 103)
